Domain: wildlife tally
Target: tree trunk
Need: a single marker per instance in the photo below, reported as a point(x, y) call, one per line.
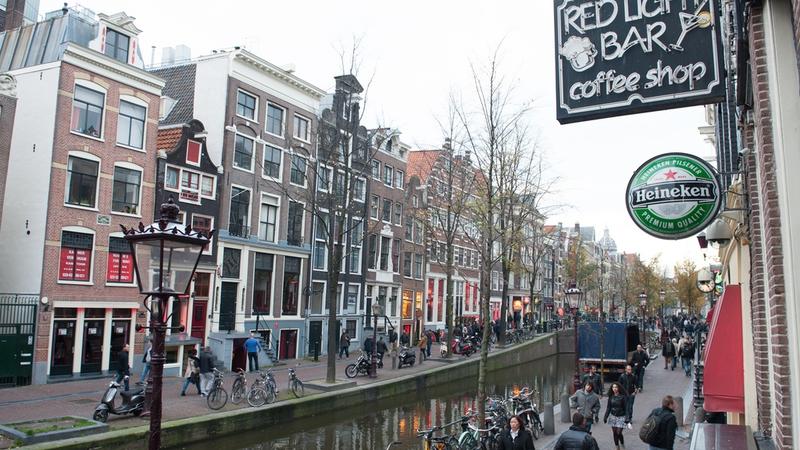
point(449, 306)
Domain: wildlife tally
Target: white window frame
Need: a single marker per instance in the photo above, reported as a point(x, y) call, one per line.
point(360, 195)
point(254, 119)
point(138, 102)
point(277, 207)
point(249, 205)
point(95, 87)
point(377, 215)
point(293, 155)
point(307, 137)
point(210, 248)
point(391, 181)
point(279, 178)
point(402, 179)
point(181, 189)
point(89, 157)
point(83, 230)
point(213, 186)
point(302, 220)
point(199, 155)
point(380, 171)
point(116, 234)
point(252, 156)
point(329, 178)
point(129, 166)
point(343, 298)
point(266, 119)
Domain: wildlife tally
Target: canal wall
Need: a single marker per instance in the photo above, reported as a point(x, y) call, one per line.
point(211, 426)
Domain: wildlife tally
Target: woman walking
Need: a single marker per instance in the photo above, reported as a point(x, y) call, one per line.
point(616, 411)
point(516, 437)
point(192, 375)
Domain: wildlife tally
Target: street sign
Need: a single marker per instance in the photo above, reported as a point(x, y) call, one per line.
point(616, 57)
point(674, 195)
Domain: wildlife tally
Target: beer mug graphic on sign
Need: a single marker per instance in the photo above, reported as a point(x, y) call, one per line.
point(580, 52)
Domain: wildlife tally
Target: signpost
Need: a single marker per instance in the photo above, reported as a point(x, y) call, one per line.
point(674, 195)
point(616, 57)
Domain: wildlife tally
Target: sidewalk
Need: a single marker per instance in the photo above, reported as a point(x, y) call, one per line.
point(657, 383)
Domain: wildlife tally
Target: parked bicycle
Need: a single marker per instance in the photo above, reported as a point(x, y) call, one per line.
point(239, 388)
point(524, 407)
point(217, 397)
point(264, 390)
point(295, 385)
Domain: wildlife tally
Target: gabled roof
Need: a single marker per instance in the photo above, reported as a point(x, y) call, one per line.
point(168, 138)
point(180, 88)
point(421, 163)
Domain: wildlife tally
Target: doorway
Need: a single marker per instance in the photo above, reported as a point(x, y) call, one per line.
point(239, 358)
point(92, 346)
point(120, 333)
point(227, 307)
point(199, 310)
point(288, 344)
point(315, 337)
point(63, 347)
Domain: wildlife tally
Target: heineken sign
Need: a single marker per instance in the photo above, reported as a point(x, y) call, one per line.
point(674, 195)
point(616, 57)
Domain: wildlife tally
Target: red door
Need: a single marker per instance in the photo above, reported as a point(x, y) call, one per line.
point(199, 309)
point(288, 344)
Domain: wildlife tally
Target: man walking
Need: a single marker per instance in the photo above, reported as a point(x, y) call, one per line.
point(123, 367)
point(666, 425)
point(344, 345)
point(404, 339)
point(668, 352)
point(577, 437)
point(594, 378)
point(639, 361)
point(629, 387)
point(206, 371)
point(687, 356)
point(381, 348)
point(253, 347)
point(587, 403)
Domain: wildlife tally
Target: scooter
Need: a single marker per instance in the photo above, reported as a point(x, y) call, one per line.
point(465, 347)
point(132, 402)
point(406, 357)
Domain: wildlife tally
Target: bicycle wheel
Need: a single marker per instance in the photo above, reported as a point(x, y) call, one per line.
point(237, 392)
point(535, 429)
point(298, 389)
point(217, 398)
point(257, 397)
point(351, 371)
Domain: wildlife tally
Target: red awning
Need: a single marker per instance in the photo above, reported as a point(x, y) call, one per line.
point(723, 374)
point(710, 316)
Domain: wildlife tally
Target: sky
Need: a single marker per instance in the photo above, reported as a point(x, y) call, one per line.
point(419, 52)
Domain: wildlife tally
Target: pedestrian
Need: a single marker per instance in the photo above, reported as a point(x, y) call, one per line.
point(666, 425)
point(381, 348)
point(369, 346)
point(123, 366)
point(192, 373)
point(393, 339)
point(496, 329)
point(577, 437)
point(344, 345)
point(639, 361)
point(423, 345)
point(587, 403)
point(617, 414)
point(687, 356)
point(206, 371)
point(668, 352)
point(404, 339)
point(629, 387)
point(146, 361)
point(429, 343)
point(252, 346)
point(594, 378)
point(516, 437)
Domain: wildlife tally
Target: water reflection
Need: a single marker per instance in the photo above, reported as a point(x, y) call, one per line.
point(374, 426)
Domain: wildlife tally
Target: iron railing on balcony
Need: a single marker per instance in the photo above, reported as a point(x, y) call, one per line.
point(239, 230)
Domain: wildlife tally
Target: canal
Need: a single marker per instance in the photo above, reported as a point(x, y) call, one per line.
point(374, 426)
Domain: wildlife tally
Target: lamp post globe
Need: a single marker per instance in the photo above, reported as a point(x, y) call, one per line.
point(165, 257)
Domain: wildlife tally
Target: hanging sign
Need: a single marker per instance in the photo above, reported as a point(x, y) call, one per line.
point(674, 195)
point(616, 57)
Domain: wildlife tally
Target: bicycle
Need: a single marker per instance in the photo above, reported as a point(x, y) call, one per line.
point(217, 397)
point(239, 388)
point(295, 385)
point(263, 391)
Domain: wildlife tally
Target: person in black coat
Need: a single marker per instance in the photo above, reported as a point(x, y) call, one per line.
point(667, 424)
point(516, 437)
point(639, 361)
point(577, 437)
point(123, 368)
point(628, 383)
point(618, 411)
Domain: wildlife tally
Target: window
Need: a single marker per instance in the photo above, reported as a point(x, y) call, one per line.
point(117, 45)
point(120, 261)
point(246, 105)
point(356, 238)
point(418, 266)
point(495, 280)
point(243, 152)
point(373, 250)
point(384, 261)
point(387, 210)
point(274, 120)
point(398, 213)
point(82, 182)
point(268, 218)
point(239, 216)
point(350, 326)
point(418, 231)
point(414, 201)
point(459, 256)
point(130, 127)
point(301, 128)
point(376, 169)
point(388, 175)
point(171, 178)
point(398, 179)
point(359, 189)
point(76, 256)
point(392, 311)
point(291, 285)
point(409, 229)
point(374, 201)
point(319, 255)
point(262, 283)
point(87, 111)
point(125, 195)
point(355, 259)
point(295, 224)
point(352, 300)
point(323, 179)
point(190, 186)
point(298, 171)
point(231, 260)
point(207, 187)
point(193, 149)
point(407, 256)
point(273, 156)
point(396, 256)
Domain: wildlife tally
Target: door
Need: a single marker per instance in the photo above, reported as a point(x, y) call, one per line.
point(63, 347)
point(17, 322)
point(92, 359)
point(239, 357)
point(199, 310)
point(120, 334)
point(288, 344)
point(315, 337)
point(227, 307)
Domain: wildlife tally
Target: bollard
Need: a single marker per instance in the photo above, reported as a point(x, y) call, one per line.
point(421, 356)
point(679, 410)
point(548, 421)
point(565, 416)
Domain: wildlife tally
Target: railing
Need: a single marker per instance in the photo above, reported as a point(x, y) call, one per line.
point(239, 230)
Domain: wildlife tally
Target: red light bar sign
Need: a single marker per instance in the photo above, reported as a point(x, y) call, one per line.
point(74, 264)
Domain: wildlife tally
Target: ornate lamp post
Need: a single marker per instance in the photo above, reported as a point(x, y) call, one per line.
point(377, 310)
point(165, 257)
point(574, 296)
point(662, 296)
point(642, 306)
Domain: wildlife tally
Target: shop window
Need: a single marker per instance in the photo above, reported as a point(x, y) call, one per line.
point(120, 261)
point(76, 256)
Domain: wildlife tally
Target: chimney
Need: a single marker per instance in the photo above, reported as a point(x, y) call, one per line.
point(15, 11)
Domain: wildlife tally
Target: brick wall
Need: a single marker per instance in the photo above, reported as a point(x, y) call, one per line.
point(8, 107)
point(769, 246)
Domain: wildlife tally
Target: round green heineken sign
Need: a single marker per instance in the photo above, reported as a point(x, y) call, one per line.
point(674, 195)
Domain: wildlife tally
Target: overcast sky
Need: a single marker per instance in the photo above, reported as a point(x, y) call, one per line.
point(420, 51)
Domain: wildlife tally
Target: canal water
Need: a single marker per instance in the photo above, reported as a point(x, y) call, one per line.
point(374, 426)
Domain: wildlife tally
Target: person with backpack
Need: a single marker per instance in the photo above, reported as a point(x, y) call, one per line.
point(668, 352)
point(687, 356)
point(587, 403)
point(658, 430)
point(577, 437)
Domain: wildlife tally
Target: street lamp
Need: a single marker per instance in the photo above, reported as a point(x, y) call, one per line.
point(662, 295)
point(165, 256)
point(574, 296)
point(377, 310)
point(642, 306)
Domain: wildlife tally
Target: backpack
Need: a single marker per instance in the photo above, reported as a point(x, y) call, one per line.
point(649, 430)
